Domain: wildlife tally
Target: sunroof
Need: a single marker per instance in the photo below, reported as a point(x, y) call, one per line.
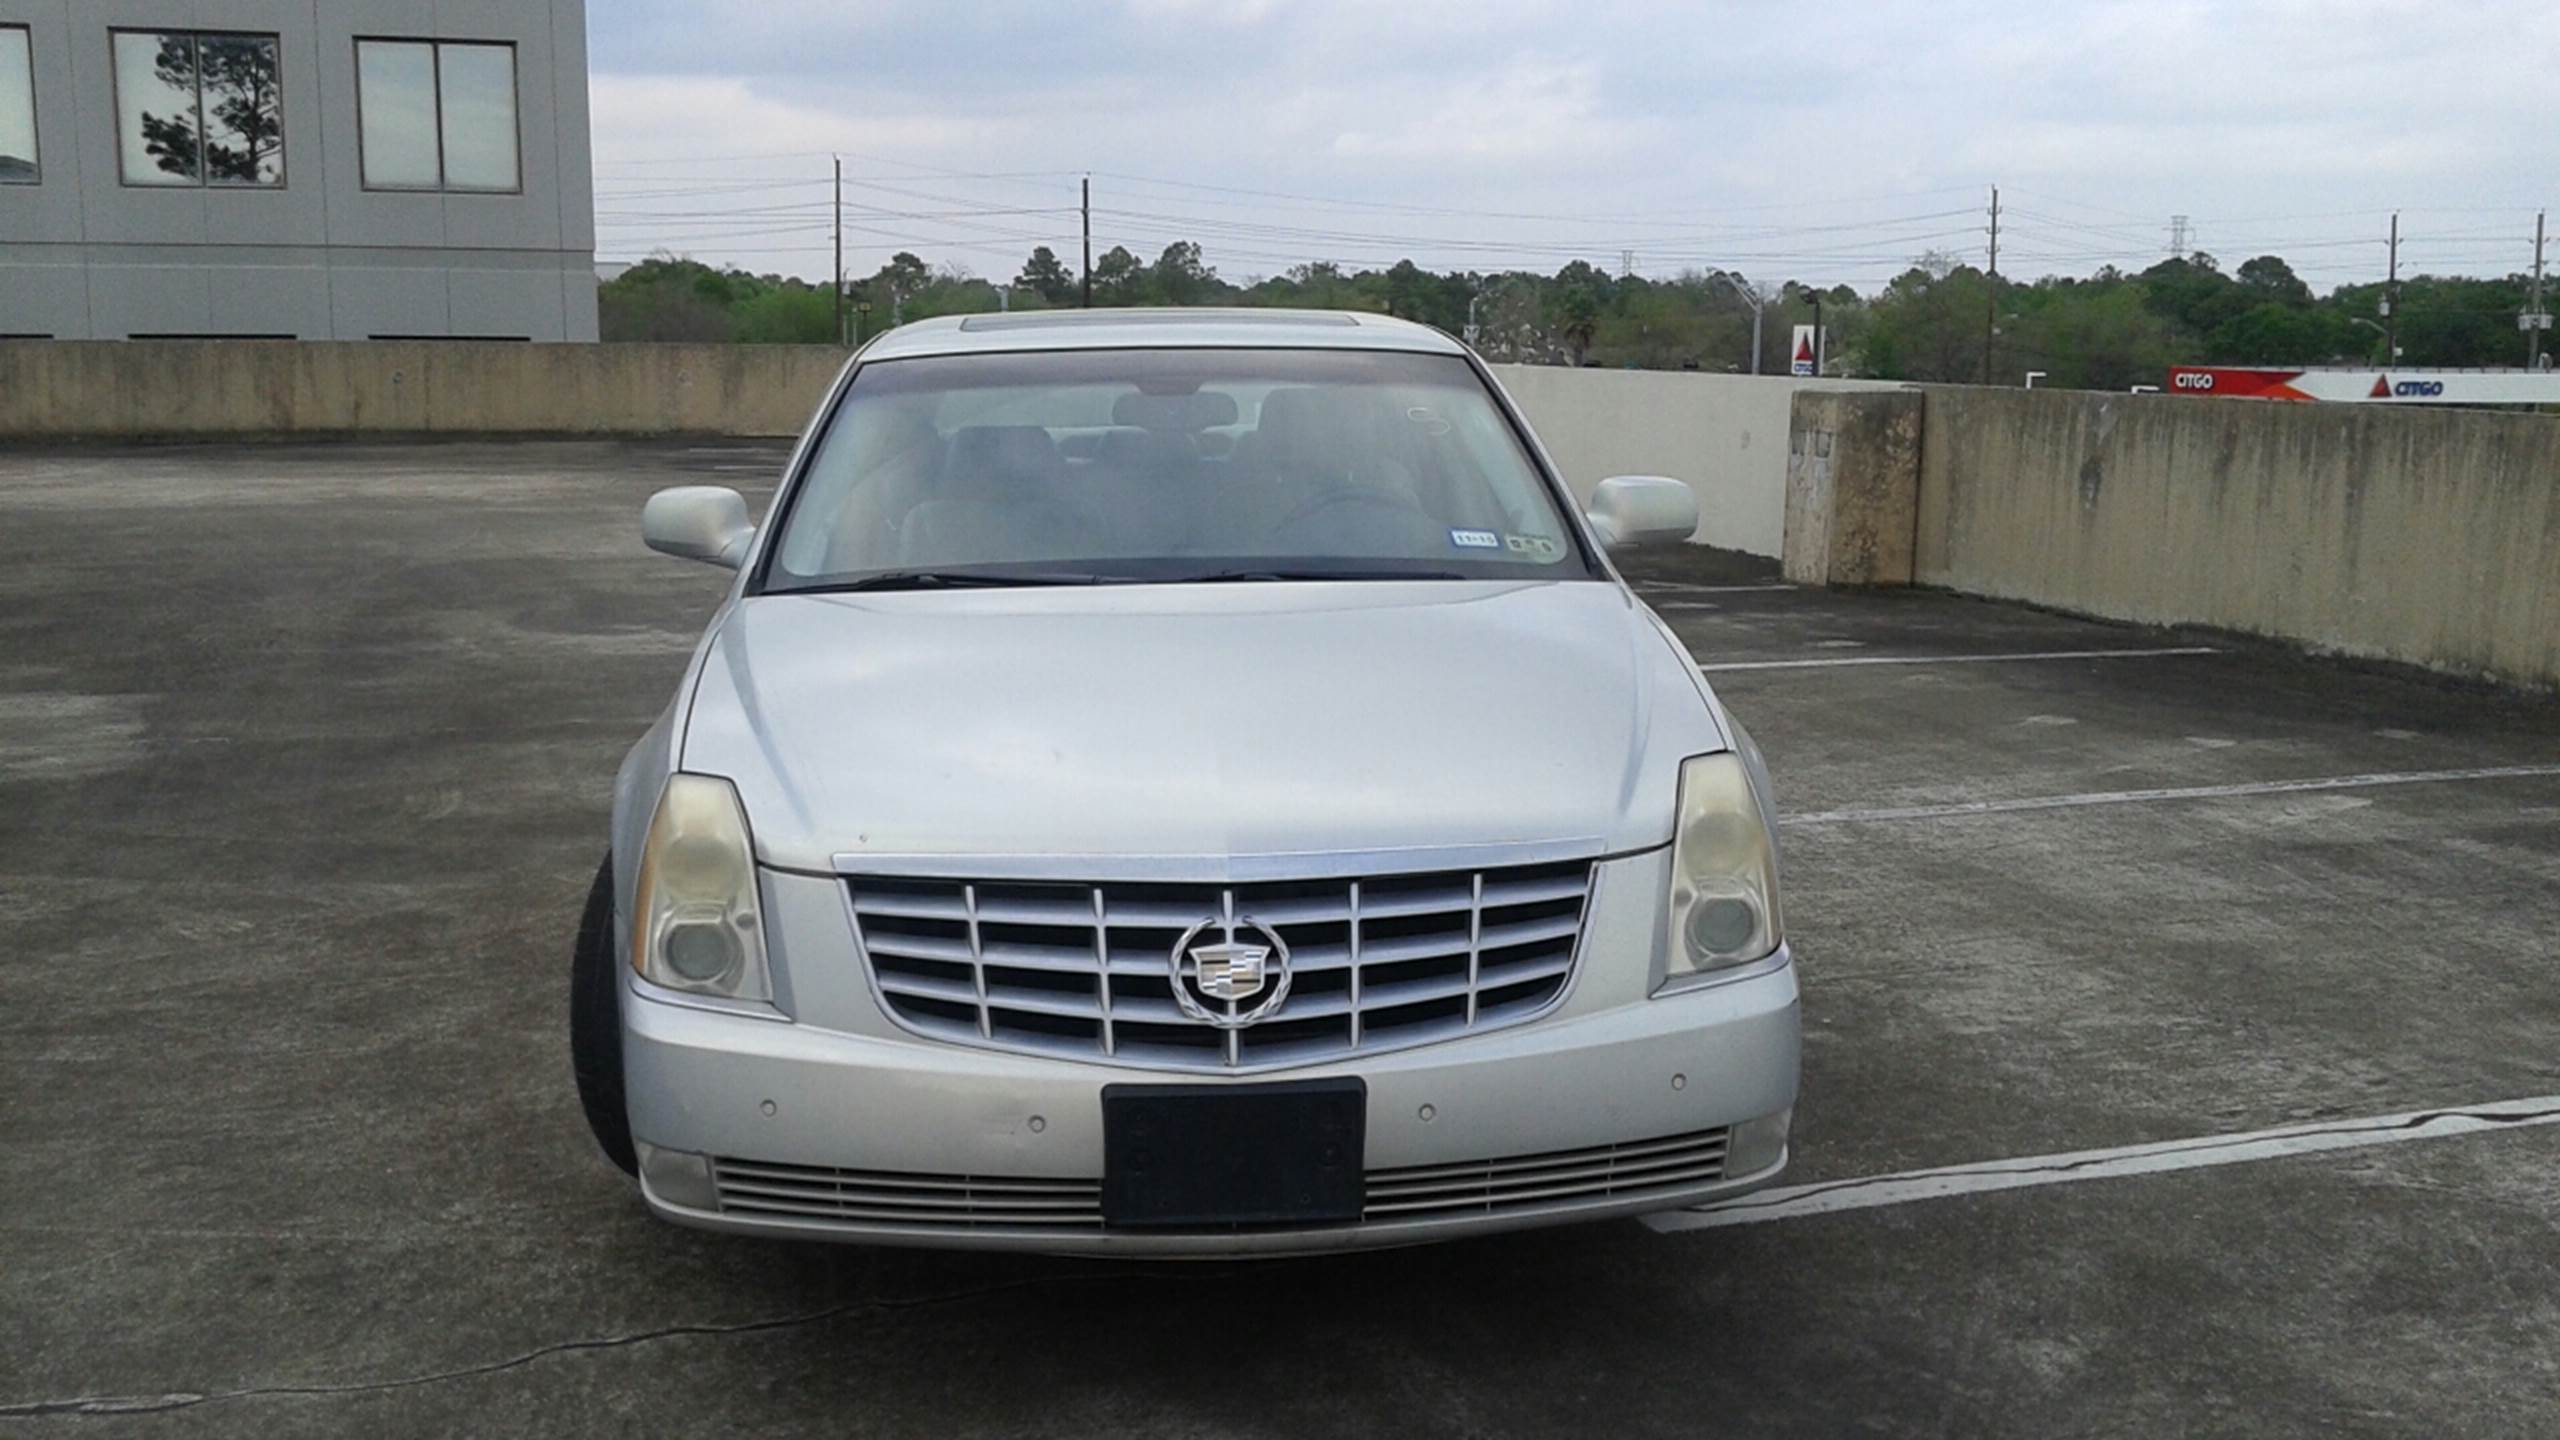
point(1048, 319)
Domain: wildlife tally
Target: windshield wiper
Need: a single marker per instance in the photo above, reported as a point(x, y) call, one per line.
point(1220, 577)
point(941, 579)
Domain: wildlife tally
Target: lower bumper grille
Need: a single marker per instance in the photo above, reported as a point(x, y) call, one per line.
point(961, 1203)
point(1490, 1187)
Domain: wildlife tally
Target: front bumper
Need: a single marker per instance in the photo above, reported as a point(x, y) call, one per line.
point(1614, 1068)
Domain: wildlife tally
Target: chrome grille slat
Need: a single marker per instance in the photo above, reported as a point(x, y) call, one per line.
point(921, 947)
point(1021, 1002)
point(744, 1206)
point(912, 1200)
point(957, 991)
point(1505, 894)
point(1377, 961)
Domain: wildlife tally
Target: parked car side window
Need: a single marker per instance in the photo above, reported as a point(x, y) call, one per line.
point(18, 161)
point(199, 109)
point(437, 115)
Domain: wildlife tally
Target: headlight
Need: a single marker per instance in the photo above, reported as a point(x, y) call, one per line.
point(1724, 870)
point(695, 923)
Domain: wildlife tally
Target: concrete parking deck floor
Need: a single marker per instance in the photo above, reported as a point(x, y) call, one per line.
point(304, 755)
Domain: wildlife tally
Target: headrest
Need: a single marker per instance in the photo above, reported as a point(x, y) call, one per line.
point(1299, 407)
point(1198, 410)
point(982, 451)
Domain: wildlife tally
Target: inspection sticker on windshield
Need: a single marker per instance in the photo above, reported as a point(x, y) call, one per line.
point(1475, 539)
point(1537, 547)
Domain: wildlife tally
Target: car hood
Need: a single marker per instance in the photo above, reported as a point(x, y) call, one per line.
point(1210, 722)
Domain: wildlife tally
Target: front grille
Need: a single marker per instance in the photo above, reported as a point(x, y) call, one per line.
point(1420, 1192)
point(1085, 971)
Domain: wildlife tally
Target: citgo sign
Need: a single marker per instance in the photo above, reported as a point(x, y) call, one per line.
point(2443, 387)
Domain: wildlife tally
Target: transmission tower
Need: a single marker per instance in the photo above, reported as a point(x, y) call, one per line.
point(2178, 228)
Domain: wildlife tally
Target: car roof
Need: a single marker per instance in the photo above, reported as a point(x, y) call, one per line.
point(1130, 329)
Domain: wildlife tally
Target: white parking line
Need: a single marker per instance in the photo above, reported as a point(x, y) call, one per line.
point(2072, 1167)
point(1956, 659)
point(1686, 588)
point(2181, 792)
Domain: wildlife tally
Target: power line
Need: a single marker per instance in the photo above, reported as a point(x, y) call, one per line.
point(1461, 213)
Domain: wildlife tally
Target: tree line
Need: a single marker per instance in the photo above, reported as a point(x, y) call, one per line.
point(1938, 321)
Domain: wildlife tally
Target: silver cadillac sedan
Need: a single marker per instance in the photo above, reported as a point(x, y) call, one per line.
point(1182, 783)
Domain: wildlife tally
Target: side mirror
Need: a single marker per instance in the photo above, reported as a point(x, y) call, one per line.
point(1631, 510)
point(699, 522)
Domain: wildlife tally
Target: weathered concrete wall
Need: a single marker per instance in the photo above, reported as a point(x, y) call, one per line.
point(90, 389)
point(1853, 487)
point(2428, 537)
point(1724, 434)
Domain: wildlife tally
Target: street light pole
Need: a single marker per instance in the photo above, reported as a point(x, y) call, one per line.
point(2376, 329)
point(1751, 298)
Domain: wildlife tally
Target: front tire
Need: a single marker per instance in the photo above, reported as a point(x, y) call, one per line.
point(595, 1025)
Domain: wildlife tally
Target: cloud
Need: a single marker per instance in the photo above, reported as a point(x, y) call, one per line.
point(643, 117)
point(1532, 110)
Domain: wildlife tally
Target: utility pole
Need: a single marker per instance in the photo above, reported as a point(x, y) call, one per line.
point(1991, 320)
point(1817, 334)
point(2391, 301)
point(840, 335)
point(1088, 242)
point(2536, 318)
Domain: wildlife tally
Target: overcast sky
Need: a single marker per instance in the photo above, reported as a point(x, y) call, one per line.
point(1829, 142)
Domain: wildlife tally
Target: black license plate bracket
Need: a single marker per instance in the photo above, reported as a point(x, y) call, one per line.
point(1228, 1156)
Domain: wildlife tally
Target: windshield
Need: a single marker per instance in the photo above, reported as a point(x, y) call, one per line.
point(1112, 466)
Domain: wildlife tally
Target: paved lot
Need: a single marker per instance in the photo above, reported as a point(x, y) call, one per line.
point(303, 766)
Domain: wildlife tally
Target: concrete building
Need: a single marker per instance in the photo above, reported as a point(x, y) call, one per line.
point(299, 169)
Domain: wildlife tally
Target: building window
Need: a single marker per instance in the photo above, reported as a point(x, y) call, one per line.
point(197, 109)
point(437, 115)
point(18, 165)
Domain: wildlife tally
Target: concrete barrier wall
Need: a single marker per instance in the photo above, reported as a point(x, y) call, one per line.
point(1725, 434)
point(2431, 537)
point(165, 389)
point(1853, 472)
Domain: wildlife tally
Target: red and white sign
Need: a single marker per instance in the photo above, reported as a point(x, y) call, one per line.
point(2369, 387)
point(1804, 363)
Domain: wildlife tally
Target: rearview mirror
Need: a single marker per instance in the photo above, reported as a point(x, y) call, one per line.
point(699, 522)
point(1631, 510)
